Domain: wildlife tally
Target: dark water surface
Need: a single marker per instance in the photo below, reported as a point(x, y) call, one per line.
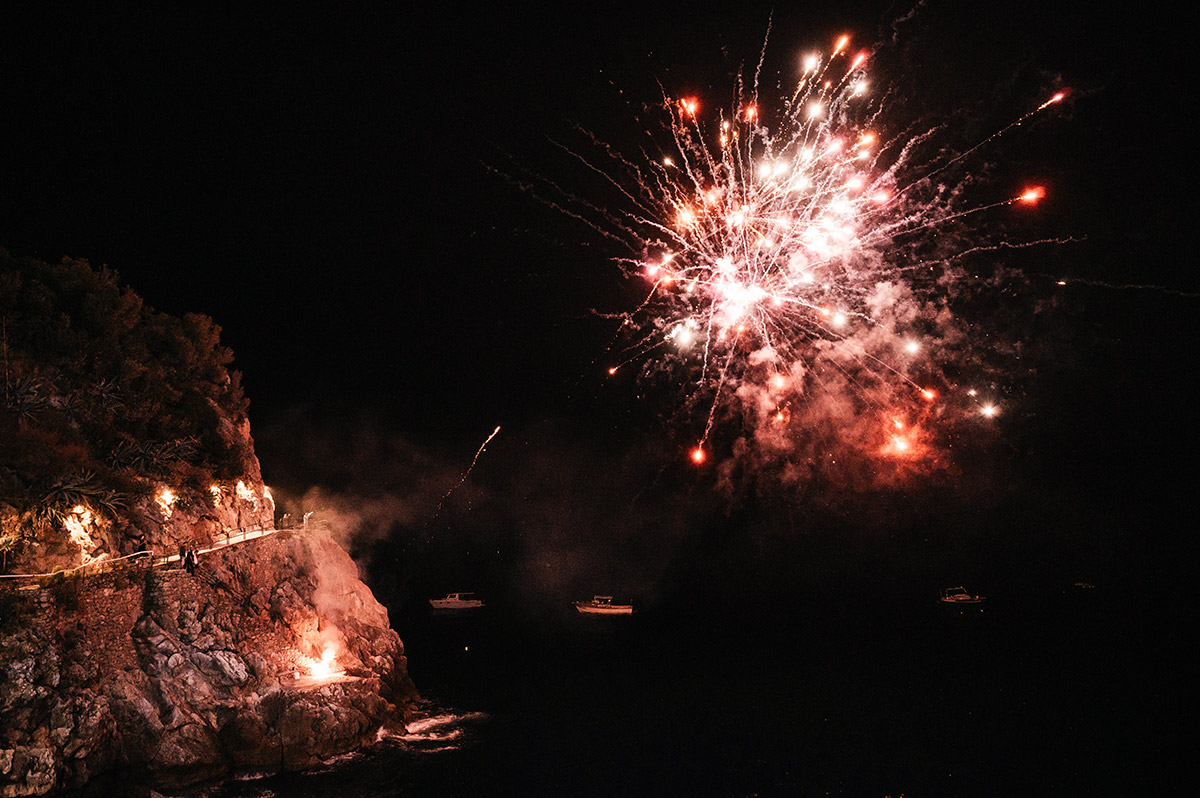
point(1053, 693)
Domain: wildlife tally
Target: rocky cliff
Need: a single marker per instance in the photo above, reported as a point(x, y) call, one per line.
point(124, 440)
point(271, 656)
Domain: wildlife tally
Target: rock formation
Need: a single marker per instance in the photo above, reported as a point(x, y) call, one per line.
point(124, 441)
point(161, 677)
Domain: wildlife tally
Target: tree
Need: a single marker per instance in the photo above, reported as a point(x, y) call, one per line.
point(102, 394)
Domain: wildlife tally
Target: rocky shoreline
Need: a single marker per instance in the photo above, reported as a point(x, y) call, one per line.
point(157, 678)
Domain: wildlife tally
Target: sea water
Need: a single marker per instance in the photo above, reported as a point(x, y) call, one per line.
point(873, 695)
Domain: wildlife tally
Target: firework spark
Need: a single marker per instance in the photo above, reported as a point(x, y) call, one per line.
point(796, 272)
point(470, 468)
point(482, 446)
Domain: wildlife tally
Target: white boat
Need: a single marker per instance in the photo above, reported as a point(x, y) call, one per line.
point(959, 596)
point(603, 605)
point(457, 601)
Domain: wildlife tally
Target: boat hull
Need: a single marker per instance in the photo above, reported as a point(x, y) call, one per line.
point(455, 604)
point(457, 601)
point(959, 597)
point(610, 609)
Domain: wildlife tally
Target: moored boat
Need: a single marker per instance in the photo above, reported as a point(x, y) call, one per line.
point(959, 596)
point(457, 601)
point(603, 605)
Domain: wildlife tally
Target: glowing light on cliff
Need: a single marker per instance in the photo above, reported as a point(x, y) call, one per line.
point(166, 501)
point(245, 494)
point(809, 241)
point(326, 667)
point(79, 524)
point(268, 504)
point(215, 491)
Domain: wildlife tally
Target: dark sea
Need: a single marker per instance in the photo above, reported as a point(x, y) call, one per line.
point(864, 692)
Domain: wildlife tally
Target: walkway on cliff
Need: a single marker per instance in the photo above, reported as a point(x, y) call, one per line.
point(224, 540)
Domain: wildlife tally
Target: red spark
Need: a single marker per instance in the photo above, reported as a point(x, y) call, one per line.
point(1032, 194)
point(1059, 97)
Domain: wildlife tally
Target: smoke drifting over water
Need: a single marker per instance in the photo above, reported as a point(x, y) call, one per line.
point(555, 512)
point(548, 512)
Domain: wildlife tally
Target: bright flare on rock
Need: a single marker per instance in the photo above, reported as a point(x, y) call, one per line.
point(80, 524)
point(326, 667)
point(166, 501)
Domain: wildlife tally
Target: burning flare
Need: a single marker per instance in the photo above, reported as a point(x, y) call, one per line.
point(326, 667)
point(166, 501)
point(79, 524)
point(245, 494)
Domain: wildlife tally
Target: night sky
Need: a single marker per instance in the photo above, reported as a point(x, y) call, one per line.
point(330, 187)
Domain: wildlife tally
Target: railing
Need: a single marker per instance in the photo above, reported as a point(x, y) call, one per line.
point(96, 566)
point(227, 537)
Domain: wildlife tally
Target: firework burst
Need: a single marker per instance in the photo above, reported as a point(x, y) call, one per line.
point(799, 264)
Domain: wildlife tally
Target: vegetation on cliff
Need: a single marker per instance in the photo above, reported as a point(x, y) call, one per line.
point(104, 400)
point(124, 430)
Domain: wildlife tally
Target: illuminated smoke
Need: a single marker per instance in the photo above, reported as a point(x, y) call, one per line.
point(799, 275)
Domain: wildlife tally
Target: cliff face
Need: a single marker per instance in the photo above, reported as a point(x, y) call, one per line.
point(124, 440)
point(164, 515)
point(166, 678)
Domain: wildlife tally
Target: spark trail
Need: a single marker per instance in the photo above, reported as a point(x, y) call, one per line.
point(798, 275)
point(466, 473)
